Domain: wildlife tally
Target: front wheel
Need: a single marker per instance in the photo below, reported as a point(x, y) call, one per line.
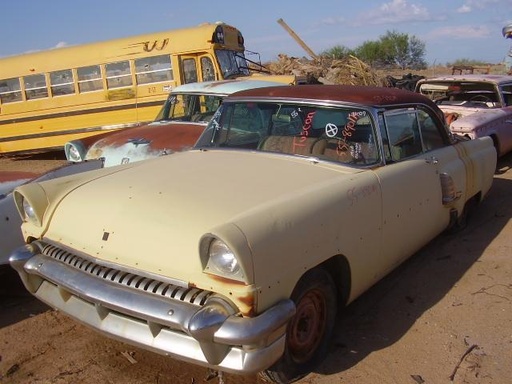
point(309, 331)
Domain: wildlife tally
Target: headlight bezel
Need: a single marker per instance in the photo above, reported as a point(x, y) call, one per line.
point(219, 258)
point(31, 197)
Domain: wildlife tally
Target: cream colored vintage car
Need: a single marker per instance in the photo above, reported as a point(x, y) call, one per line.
point(237, 255)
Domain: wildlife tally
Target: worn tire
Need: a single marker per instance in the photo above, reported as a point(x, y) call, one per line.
point(310, 330)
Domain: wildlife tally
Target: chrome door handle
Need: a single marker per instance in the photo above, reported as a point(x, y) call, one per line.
point(432, 160)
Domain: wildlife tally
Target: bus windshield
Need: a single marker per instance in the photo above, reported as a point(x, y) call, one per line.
point(232, 63)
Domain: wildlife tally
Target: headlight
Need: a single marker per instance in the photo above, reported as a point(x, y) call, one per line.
point(75, 151)
point(31, 202)
point(28, 210)
point(222, 258)
point(222, 261)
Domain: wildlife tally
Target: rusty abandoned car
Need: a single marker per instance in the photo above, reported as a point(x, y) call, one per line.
point(177, 126)
point(237, 255)
point(475, 105)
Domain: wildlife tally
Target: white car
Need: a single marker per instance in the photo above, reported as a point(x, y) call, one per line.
point(178, 125)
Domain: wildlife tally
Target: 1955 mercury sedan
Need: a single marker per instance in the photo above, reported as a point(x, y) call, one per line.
point(238, 254)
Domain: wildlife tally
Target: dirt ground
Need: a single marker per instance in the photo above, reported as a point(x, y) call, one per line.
point(444, 316)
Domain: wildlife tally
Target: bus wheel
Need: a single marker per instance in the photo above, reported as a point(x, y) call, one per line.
point(309, 331)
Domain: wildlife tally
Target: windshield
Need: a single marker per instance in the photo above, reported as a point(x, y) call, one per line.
point(184, 107)
point(232, 63)
point(467, 93)
point(345, 134)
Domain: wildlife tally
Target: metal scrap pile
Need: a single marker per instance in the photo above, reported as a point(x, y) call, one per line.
point(350, 71)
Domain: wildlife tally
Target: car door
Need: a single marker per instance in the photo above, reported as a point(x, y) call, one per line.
point(418, 156)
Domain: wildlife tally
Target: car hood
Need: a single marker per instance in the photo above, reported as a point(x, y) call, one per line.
point(151, 215)
point(467, 121)
point(463, 111)
point(148, 141)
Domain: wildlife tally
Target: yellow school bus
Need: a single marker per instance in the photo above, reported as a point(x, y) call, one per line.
point(50, 97)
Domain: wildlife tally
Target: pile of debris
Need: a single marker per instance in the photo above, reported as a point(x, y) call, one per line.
point(323, 70)
point(349, 71)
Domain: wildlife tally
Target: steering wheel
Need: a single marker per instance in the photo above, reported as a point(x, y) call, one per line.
point(481, 99)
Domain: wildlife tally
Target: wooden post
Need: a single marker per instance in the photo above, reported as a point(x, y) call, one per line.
point(297, 38)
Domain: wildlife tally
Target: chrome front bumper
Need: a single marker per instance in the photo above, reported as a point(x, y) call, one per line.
point(209, 334)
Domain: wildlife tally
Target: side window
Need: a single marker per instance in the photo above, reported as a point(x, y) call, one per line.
point(506, 90)
point(189, 70)
point(62, 82)
point(89, 79)
point(240, 126)
point(403, 135)
point(153, 69)
point(430, 135)
point(118, 74)
point(10, 90)
point(211, 103)
point(207, 69)
point(35, 86)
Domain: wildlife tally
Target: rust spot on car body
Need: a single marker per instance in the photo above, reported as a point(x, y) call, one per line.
point(10, 176)
point(246, 303)
point(226, 281)
point(173, 136)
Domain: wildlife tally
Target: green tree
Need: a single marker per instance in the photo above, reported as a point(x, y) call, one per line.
point(337, 52)
point(370, 52)
point(394, 47)
point(393, 50)
point(417, 54)
point(403, 51)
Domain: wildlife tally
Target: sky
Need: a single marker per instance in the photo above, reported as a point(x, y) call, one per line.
point(450, 29)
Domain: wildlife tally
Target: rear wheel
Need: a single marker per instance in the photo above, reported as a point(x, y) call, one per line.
point(309, 331)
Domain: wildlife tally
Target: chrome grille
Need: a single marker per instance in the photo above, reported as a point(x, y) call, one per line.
point(149, 285)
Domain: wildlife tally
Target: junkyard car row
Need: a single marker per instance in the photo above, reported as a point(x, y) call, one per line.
point(237, 254)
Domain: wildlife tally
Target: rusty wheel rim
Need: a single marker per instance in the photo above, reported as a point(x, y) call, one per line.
point(307, 326)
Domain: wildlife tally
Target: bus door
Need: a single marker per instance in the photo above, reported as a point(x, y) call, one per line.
point(196, 68)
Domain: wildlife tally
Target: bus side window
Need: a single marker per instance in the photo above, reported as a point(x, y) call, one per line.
point(89, 79)
point(207, 69)
point(62, 83)
point(153, 69)
point(118, 74)
point(35, 86)
point(189, 70)
point(10, 90)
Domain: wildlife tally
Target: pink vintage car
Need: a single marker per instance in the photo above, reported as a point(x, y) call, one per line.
point(474, 105)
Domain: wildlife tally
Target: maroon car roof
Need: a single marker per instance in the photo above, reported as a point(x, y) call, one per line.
point(371, 96)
